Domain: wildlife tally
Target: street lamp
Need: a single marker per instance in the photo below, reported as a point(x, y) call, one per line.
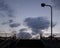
point(43, 5)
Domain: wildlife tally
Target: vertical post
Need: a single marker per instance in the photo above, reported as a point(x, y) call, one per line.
point(51, 22)
point(43, 5)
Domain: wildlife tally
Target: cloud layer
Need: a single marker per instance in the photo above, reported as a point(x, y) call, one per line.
point(37, 24)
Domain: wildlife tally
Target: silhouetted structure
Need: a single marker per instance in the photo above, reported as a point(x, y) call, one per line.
point(43, 5)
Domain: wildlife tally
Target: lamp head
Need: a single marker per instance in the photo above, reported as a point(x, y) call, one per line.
point(43, 4)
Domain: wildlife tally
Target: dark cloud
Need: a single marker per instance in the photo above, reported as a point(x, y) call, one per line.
point(13, 25)
point(24, 35)
point(36, 31)
point(2, 5)
point(37, 24)
point(23, 29)
point(6, 8)
point(56, 3)
point(10, 21)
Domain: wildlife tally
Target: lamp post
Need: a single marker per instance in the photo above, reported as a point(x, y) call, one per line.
point(43, 5)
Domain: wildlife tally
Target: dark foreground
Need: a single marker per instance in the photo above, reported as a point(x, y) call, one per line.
point(42, 43)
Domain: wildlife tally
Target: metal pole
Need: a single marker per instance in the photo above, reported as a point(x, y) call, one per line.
point(43, 4)
point(51, 23)
point(51, 19)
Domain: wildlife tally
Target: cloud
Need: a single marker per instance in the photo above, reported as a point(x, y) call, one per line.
point(37, 24)
point(7, 22)
point(10, 21)
point(6, 8)
point(54, 24)
point(2, 15)
point(14, 32)
point(24, 35)
point(36, 37)
point(36, 31)
point(56, 4)
point(13, 25)
point(4, 23)
point(23, 29)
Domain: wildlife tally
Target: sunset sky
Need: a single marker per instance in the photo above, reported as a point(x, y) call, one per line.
point(16, 11)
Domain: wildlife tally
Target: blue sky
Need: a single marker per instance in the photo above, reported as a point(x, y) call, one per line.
point(28, 8)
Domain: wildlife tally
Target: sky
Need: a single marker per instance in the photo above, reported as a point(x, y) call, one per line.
point(16, 11)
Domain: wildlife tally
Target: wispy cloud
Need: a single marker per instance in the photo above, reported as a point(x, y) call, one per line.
point(6, 8)
point(56, 4)
point(7, 22)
